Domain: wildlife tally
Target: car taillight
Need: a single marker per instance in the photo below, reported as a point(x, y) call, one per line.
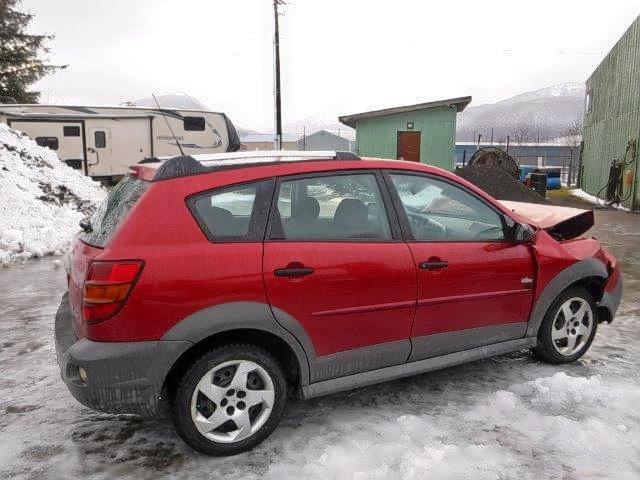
point(106, 288)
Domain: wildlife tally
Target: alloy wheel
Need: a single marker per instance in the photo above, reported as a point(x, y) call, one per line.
point(572, 326)
point(232, 401)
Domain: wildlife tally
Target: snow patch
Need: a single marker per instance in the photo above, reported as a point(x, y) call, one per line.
point(595, 200)
point(41, 199)
point(559, 417)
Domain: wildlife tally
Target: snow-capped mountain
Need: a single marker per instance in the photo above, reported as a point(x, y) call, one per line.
point(548, 112)
point(173, 100)
point(313, 124)
point(570, 89)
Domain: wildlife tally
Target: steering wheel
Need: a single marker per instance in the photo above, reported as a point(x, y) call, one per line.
point(426, 227)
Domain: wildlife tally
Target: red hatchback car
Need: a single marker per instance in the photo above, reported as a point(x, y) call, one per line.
point(215, 287)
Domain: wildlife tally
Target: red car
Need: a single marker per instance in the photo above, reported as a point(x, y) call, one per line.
point(215, 287)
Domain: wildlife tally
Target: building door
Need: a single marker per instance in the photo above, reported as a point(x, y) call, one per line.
point(409, 146)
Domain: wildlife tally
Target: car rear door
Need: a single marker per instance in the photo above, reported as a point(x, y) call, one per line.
point(337, 272)
point(474, 286)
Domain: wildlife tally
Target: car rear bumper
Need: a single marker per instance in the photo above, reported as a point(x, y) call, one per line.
point(121, 377)
point(612, 295)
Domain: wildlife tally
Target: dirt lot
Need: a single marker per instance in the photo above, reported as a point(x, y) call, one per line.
point(508, 417)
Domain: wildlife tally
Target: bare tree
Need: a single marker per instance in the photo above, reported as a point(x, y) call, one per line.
point(572, 134)
point(522, 135)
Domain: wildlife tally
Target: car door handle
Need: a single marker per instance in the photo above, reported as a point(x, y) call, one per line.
point(293, 272)
point(434, 265)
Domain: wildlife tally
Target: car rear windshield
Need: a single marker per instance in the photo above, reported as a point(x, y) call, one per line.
point(113, 210)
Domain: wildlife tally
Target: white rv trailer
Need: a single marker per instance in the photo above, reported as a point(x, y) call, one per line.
point(104, 142)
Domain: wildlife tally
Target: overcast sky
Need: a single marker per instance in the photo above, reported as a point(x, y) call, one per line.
point(338, 57)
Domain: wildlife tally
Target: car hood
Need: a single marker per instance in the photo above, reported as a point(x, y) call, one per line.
point(562, 223)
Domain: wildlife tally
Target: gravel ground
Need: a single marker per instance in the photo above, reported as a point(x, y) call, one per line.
point(507, 417)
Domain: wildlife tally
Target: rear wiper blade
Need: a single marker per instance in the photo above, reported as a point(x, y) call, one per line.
point(85, 225)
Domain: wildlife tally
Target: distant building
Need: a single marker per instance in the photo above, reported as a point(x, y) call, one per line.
point(267, 141)
point(612, 116)
point(421, 133)
point(326, 140)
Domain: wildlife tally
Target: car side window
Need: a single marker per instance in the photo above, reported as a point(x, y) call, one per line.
point(440, 211)
point(237, 213)
point(337, 207)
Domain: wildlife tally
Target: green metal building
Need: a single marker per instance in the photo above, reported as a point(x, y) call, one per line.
point(612, 118)
point(423, 133)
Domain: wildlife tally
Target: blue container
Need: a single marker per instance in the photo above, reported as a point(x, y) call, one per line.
point(553, 178)
point(553, 183)
point(525, 170)
point(553, 175)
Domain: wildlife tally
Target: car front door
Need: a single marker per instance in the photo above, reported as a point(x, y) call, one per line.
point(474, 285)
point(337, 272)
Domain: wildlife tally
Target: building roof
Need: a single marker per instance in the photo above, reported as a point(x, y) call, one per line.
point(460, 103)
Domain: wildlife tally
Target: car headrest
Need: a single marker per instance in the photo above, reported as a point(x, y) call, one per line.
point(351, 213)
point(305, 211)
point(219, 220)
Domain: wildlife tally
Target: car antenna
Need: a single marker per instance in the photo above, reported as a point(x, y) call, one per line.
point(170, 129)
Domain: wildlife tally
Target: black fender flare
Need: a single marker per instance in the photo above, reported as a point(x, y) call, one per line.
point(589, 267)
point(241, 315)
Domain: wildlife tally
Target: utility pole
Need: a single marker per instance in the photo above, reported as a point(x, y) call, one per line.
point(276, 46)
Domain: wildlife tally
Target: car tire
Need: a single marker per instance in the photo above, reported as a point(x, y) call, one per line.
point(229, 400)
point(568, 327)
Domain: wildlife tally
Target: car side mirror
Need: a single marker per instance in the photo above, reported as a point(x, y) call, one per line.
point(522, 233)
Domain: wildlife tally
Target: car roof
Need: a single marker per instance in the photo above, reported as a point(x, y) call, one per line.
point(165, 168)
point(239, 167)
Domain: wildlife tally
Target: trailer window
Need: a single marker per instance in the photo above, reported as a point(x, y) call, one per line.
point(194, 124)
point(74, 163)
point(100, 139)
point(50, 142)
point(71, 131)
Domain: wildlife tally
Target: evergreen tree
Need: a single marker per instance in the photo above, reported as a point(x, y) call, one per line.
point(21, 54)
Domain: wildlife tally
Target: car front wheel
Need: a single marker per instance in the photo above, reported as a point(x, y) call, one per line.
point(568, 328)
point(230, 400)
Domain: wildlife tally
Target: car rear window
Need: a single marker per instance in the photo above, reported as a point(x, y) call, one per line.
point(113, 210)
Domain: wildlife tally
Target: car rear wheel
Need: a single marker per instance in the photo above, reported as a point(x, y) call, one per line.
point(568, 328)
point(230, 400)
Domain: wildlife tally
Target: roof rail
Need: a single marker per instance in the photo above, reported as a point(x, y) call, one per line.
point(173, 167)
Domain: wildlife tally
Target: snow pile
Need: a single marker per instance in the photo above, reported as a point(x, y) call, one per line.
point(587, 197)
point(561, 421)
point(41, 199)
